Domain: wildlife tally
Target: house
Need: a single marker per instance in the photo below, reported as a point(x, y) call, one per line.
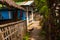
point(11, 11)
point(29, 10)
point(17, 12)
point(12, 21)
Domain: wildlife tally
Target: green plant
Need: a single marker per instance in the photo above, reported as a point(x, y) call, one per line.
point(26, 37)
point(42, 7)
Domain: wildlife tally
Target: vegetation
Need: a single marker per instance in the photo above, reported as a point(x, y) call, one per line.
point(50, 27)
point(54, 20)
point(26, 37)
point(42, 8)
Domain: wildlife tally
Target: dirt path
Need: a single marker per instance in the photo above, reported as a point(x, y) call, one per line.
point(35, 33)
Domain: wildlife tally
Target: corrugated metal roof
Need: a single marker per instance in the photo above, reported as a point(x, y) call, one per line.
point(25, 3)
point(12, 3)
point(29, 3)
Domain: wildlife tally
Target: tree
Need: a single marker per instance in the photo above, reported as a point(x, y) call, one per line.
point(51, 22)
point(42, 7)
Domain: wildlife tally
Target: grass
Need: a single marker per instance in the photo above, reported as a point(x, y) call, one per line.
point(26, 36)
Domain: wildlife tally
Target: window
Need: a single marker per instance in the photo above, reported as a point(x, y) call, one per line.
point(5, 15)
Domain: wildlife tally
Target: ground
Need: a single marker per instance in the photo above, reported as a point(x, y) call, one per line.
point(35, 33)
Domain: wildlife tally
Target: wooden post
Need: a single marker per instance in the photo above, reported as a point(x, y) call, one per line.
point(32, 15)
point(1, 35)
point(27, 16)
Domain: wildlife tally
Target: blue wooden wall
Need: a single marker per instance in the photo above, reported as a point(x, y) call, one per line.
point(5, 14)
point(21, 15)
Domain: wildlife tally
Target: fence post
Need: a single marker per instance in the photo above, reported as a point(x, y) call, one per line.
point(1, 35)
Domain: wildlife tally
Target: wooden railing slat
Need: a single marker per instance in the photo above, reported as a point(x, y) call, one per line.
point(11, 31)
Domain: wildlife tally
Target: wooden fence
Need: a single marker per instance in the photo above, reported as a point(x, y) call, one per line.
point(13, 31)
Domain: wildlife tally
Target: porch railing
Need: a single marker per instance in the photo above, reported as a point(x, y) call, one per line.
point(13, 31)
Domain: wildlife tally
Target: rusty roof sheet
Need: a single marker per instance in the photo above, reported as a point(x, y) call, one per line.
point(1, 0)
point(12, 3)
